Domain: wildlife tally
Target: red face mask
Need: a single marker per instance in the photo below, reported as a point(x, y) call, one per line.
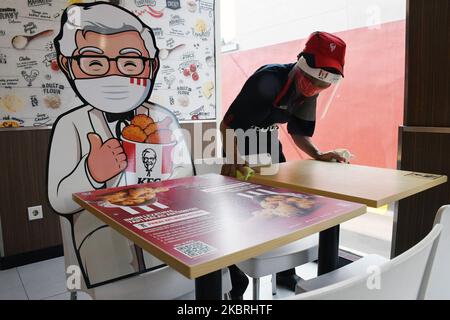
point(306, 87)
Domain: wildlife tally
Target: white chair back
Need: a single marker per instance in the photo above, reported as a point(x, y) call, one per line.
point(398, 279)
point(437, 277)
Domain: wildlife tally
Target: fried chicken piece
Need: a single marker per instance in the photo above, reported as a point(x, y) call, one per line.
point(134, 193)
point(142, 121)
point(142, 192)
point(265, 213)
point(115, 197)
point(285, 210)
point(272, 202)
point(301, 203)
point(128, 203)
point(153, 138)
point(151, 129)
point(162, 125)
point(133, 197)
point(165, 124)
point(134, 133)
point(139, 201)
point(160, 137)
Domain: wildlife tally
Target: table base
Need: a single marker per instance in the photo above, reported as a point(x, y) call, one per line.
point(328, 250)
point(209, 287)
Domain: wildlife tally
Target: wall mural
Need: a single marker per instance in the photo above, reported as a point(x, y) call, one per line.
point(34, 90)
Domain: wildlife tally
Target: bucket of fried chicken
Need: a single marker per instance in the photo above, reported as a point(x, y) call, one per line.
point(149, 147)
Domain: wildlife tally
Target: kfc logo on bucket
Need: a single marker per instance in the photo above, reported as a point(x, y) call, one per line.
point(148, 163)
point(149, 147)
point(149, 159)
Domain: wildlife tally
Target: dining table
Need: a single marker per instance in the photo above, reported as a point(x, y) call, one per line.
point(201, 225)
point(371, 186)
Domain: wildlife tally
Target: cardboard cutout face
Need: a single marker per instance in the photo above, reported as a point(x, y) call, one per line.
point(112, 68)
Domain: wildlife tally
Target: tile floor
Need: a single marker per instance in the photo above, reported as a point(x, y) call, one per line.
point(46, 280)
point(37, 281)
point(369, 234)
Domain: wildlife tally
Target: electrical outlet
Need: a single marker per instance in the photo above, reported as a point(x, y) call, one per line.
point(35, 213)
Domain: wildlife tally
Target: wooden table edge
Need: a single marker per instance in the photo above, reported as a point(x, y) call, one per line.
point(340, 196)
point(201, 269)
point(335, 195)
point(432, 184)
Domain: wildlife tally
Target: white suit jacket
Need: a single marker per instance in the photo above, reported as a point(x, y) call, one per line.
point(102, 253)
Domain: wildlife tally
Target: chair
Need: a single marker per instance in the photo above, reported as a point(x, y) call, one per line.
point(290, 256)
point(281, 259)
point(419, 273)
point(161, 284)
point(437, 278)
point(170, 285)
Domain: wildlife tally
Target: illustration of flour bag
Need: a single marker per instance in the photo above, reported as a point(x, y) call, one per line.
point(149, 148)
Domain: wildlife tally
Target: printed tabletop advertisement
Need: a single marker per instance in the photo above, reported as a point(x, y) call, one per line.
point(34, 90)
point(180, 217)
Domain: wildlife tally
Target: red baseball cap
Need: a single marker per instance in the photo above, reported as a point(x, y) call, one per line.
point(328, 50)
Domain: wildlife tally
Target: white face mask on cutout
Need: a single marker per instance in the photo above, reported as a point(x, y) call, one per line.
point(114, 94)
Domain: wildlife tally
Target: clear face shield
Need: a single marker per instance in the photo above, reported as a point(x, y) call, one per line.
point(313, 80)
point(309, 82)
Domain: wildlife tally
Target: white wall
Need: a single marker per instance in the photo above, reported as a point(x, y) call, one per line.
point(258, 23)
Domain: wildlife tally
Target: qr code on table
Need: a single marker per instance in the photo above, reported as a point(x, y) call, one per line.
point(195, 249)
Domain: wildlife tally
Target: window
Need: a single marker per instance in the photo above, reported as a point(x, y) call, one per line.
point(362, 113)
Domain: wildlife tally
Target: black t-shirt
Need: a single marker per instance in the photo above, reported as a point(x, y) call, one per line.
point(254, 106)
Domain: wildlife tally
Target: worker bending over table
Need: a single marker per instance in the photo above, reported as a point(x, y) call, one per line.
point(277, 94)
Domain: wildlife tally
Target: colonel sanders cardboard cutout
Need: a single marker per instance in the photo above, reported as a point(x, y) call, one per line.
point(111, 60)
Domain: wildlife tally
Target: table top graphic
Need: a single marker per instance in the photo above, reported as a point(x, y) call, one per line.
point(202, 224)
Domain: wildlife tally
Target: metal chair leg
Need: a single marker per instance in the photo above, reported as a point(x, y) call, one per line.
point(256, 287)
point(274, 284)
point(73, 295)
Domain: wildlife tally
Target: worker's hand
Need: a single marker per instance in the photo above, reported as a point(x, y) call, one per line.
point(105, 160)
point(229, 170)
point(331, 156)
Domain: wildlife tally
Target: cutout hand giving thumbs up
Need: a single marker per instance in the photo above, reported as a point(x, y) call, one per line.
point(105, 160)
